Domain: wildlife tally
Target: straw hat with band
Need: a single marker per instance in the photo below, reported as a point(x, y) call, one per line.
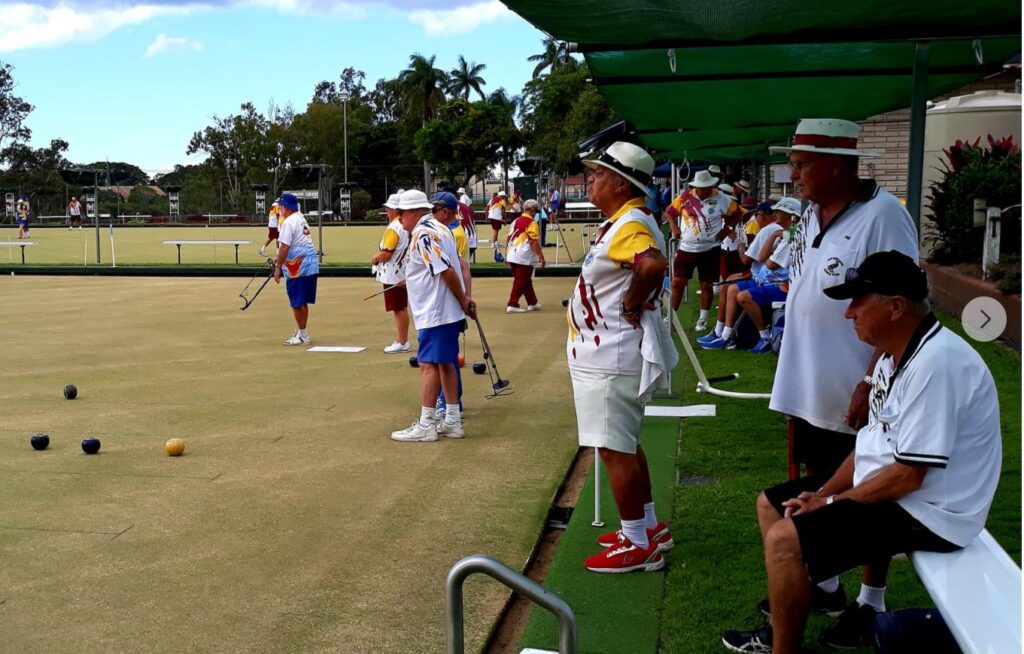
point(826, 136)
point(628, 160)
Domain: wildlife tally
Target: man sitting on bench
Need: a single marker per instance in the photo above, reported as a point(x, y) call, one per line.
point(923, 471)
point(768, 257)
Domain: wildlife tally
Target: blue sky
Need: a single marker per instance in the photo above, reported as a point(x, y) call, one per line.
point(131, 81)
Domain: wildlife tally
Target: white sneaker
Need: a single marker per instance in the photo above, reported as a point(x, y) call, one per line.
point(297, 339)
point(533, 307)
point(395, 348)
point(701, 325)
point(263, 252)
point(415, 433)
point(450, 430)
point(514, 310)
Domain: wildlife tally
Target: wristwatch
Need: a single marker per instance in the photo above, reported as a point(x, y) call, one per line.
point(830, 499)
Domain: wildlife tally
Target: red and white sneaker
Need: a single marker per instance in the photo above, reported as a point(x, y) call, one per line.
point(659, 535)
point(626, 557)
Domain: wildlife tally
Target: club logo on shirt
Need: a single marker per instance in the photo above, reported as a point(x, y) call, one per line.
point(589, 259)
point(832, 265)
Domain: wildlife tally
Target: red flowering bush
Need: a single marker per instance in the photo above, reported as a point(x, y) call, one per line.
point(971, 171)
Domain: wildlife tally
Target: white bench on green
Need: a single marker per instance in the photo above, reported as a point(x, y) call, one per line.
point(977, 591)
point(213, 243)
point(21, 244)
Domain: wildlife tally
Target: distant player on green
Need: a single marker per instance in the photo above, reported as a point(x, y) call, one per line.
point(21, 210)
point(272, 228)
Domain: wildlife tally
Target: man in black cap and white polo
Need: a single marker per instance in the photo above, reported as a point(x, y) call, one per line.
point(922, 474)
point(619, 283)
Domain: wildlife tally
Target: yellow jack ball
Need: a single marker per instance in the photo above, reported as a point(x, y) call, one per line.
point(174, 447)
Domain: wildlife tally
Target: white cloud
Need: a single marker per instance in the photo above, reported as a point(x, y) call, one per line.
point(461, 20)
point(24, 25)
point(164, 43)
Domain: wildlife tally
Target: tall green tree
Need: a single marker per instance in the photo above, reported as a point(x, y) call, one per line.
point(554, 56)
point(560, 109)
point(13, 111)
point(423, 86)
point(465, 78)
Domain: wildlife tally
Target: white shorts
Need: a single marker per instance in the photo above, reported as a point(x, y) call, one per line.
point(608, 410)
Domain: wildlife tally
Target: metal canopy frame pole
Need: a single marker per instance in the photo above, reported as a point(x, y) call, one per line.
point(96, 207)
point(568, 642)
point(918, 110)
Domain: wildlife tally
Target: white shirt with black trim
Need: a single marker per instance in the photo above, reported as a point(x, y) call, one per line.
point(822, 360)
point(938, 408)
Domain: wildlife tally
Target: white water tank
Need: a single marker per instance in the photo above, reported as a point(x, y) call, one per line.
point(966, 118)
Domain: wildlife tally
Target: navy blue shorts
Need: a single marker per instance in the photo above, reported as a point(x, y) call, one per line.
point(439, 344)
point(301, 291)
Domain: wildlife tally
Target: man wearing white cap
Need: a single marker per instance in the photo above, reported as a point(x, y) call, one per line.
point(496, 215)
point(619, 283)
point(439, 304)
point(700, 217)
point(820, 376)
point(389, 263)
point(768, 257)
point(272, 231)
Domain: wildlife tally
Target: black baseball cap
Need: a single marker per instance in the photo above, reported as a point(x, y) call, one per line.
point(885, 273)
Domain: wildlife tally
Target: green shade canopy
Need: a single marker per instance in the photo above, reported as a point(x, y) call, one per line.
point(718, 81)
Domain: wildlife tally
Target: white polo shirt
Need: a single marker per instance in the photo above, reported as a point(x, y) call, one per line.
point(754, 251)
point(823, 360)
point(938, 408)
point(431, 252)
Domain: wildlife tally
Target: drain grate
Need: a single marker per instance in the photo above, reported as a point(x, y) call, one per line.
point(694, 480)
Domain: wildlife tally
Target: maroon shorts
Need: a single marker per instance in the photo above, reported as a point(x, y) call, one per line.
point(730, 263)
point(272, 233)
point(396, 299)
point(495, 224)
point(706, 264)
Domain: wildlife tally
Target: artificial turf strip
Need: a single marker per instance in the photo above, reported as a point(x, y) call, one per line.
point(615, 613)
point(717, 575)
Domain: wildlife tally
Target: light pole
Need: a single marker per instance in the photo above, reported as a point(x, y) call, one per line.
point(344, 95)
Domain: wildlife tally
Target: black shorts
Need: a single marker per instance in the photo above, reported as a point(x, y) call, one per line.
point(847, 534)
point(821, 450)
point(706, 263)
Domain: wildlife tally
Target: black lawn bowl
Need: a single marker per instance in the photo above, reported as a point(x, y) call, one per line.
point(40, 442)
point(480, 367)
point(565, 302)
point(70, 392)
point(501, 383)
point(91, 445)
point(414, 362)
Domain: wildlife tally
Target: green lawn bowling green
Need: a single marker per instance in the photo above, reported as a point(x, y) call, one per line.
point(292, 523)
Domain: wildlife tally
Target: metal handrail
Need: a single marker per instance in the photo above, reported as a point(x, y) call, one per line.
point(454, 605)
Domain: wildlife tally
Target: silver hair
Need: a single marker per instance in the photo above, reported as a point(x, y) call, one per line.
point(531, 205)
point(917, 307)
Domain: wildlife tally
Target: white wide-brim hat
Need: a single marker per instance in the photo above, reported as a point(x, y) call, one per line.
point(788, 205)
point(629, 161)
point(703, 179)
point(392, 202)
point(826, 136)
point(743, 185)
point(413, 199)
point(727, 189)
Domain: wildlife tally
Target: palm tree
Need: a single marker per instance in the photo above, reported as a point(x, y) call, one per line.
point(554, 55)
point(466, 78)
point(423, 86)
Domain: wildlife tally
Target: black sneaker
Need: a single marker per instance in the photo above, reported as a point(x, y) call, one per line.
point(831, 604)
point(758, 641)
point(854, 628)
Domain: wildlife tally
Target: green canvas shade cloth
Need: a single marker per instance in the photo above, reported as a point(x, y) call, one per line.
point(719, 81)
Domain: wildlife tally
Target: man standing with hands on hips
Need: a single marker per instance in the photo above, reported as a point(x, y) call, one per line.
point(620, 278)
point(296, 257)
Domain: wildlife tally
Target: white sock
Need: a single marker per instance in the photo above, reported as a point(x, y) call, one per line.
point(704, 314)
point(453, 414)
point(719, 326)
point(726, 333)
point(874, 597)
point(830, 585)
point(636, 533)
point(650, 518)
point(426, 416)
point(766, 333)
point(303, 333)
